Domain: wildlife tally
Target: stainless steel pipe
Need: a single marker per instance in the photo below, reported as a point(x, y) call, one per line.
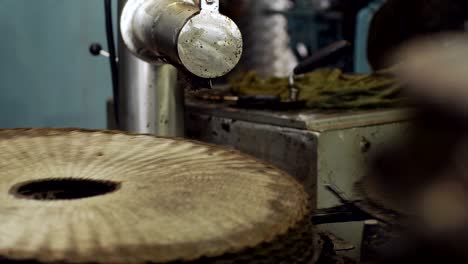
point(151, 100)
point(190, 34)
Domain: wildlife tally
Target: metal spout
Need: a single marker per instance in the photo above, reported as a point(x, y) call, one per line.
point(191, 35)
point(151, 101)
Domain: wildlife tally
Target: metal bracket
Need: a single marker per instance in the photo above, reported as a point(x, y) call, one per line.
point(339, 214)
point(347, 212)
point(209, 6)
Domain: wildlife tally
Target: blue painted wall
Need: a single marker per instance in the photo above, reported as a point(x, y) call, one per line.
point(47, 76)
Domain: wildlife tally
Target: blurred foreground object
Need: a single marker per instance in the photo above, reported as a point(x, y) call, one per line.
point(425, 176)
point(400, 21)
point(67, 197)
point(436, 69)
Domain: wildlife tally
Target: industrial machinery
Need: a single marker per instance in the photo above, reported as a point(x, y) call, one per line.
point(316, 147)
point(165, 46)
point(192, 35)
point(320, 148)
point(73, 198)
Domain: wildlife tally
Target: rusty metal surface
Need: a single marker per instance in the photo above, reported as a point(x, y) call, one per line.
point(190, 34)
point(376, 236)
point(312, 120)
point(291, 150)
point(316, 147)
point(210, 45)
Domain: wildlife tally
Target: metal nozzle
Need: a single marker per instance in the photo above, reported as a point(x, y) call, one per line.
point(192, 35)
point(293, 90)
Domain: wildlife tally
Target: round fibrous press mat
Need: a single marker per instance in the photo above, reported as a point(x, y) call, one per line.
point(73, 196)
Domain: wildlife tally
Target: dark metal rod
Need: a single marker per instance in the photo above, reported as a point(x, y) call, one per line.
point(112, 58)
